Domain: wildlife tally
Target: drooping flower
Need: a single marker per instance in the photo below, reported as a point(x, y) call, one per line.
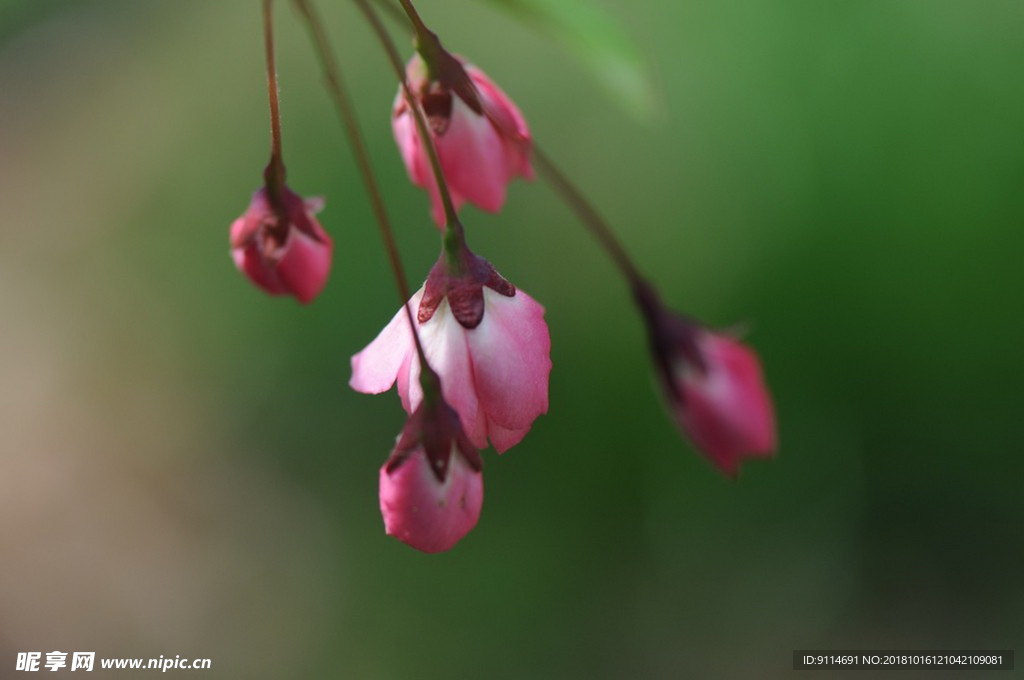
point(282, 248)
point(487, 340)
point(714, 386)
point(481, 137)
point(431, 487)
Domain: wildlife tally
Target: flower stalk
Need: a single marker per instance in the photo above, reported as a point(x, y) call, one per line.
point(274, 173)
point(335, 85)
point(454, 238)
point(592, 220)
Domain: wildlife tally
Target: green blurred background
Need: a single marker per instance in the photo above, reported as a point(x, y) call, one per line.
point(184, 470)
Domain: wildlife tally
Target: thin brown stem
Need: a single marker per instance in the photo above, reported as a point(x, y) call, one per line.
point(427, 42)
point(414, 17)
point(275, 173)
point(451, 217)
point(590, 218)
point(336, 87)
point(394, 12)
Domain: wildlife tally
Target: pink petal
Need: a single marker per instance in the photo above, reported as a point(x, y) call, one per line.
point(403, 379)
point(444, 342)
point(473, 158)
point(509, 121)
point(375, 369)
point(497, 101)
point(503, 439)
point(511, 353)
point(424, 513)
point(244, 237)
point(305, 263)
point(408, 140)
point(416, 159)
point(728, 412)
point(313, 205)
point(250, 261)
point(245, 228)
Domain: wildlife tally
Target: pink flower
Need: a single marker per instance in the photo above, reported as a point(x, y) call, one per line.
point(481, 137)
point(431, 488)
point(282, 250)
point(724, 406)
point(486, 340)
point(714, 386)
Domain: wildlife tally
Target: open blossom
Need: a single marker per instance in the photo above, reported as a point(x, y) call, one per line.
point(487, 341)
point(431, 488)
point(715, 388)
point(282, 250)
point(480, 135)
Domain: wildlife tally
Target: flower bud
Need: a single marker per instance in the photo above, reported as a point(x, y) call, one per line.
point(480, 135)
point(431, 488)
point(282, 248)
point(714, 386)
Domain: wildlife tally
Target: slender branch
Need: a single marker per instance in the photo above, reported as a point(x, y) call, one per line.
point(397, 14)
point(394, 12)
point(427, 43)
point(592, 219)
point(274, 173)
point(451, 217)
point(414, 17)
point(336, 87)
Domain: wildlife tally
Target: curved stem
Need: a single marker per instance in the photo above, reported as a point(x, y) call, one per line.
point(414, 17)
point(393, 11)
point(427, 43)
point(335, 85)
point(451, 217)
point(590, 218)
point(274, 174)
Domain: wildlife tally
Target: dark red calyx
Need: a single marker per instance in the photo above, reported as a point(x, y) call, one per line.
point(436, 97)
point(276, 222)
point(463, 86)
point(672, 336)
point(435, 426)
point(451, 75)
point(465, 291)
point(445, 76)
point(437, 105)
point(287, 210)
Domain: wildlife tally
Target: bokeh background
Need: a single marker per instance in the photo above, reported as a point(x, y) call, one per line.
point(183, 469)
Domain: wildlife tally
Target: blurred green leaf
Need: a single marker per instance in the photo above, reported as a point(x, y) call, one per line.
point(602, 45)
